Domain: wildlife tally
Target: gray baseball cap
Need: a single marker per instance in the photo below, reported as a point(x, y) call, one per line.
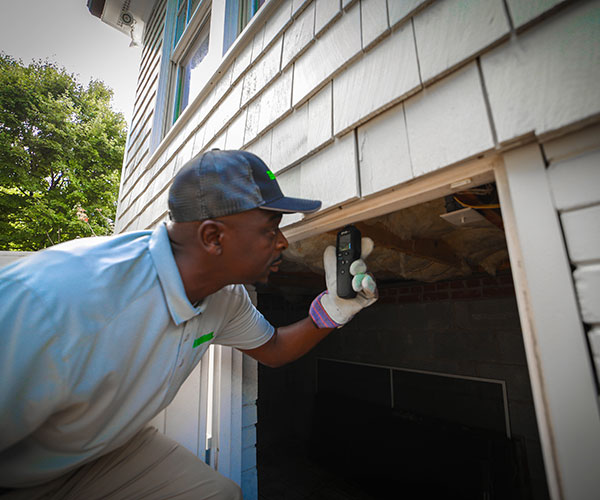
point(218, 183)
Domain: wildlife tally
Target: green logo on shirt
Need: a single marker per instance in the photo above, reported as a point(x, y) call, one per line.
point(202, 339)
point(271, 175)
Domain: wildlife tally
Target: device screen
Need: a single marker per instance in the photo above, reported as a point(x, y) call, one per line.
point(345, 240)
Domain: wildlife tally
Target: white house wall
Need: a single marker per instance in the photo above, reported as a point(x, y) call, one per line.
point(574, 175)
point(309, 74)
point(348, 99)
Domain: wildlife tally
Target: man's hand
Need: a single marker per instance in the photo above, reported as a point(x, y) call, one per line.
point(327, 311)
point(330, 311)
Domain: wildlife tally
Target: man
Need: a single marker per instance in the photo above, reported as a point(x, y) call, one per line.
point(98, 335)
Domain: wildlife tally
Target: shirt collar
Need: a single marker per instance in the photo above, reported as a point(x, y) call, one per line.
point(179, 305)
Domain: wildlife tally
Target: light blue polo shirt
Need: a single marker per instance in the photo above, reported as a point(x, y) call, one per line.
point(97, 335)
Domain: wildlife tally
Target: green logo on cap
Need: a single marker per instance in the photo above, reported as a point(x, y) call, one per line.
point(271, 175)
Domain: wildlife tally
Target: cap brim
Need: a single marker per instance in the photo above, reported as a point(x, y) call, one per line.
point(292, 205)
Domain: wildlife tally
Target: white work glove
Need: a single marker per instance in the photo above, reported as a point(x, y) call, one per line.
point(330, 311)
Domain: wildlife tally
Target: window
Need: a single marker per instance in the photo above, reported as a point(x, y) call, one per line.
point(238, 15)
point(190, 33)
point(247, 9)
point(189, 54)
point(188, 72)
point(185, 11)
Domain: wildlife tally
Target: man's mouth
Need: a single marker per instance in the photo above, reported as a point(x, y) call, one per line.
point(275, 264)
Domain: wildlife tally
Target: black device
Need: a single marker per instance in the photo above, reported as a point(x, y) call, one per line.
point(347, 250)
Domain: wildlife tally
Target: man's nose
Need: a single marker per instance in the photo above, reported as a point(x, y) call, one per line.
point(282, 243)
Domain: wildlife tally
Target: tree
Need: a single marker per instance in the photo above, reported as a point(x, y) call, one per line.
point(61, 149)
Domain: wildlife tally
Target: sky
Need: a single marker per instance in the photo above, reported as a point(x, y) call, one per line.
point(66, 33)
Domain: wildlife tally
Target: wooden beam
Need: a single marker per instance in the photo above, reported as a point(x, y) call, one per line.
point(428, 249)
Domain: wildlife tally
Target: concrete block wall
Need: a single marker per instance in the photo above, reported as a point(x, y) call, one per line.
point(574, 177)
point(317, 75)
point(466, 327)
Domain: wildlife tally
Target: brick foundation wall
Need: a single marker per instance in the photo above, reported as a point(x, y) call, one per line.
point(469, 288)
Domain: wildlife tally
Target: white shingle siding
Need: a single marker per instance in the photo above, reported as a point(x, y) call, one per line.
point(241, 63)
point(331, 175)
point(290, 138)
point(587, 282)
point(333, 79)
point(276, 101)
point(450, 32)
point(298, 36)
point(547, 77)
point(326, 12)
point(374, 19)
point(381, 77)
point(523, 12)
point(383, 141)
point(327, 55)
point(575, 182)
point(260, 75)
point(274, 26)
point(448, 122)
point(574, 177)
point(582, 233)
point(298, 6)
point(234, 138)
point(262, 147)
point(402, 10)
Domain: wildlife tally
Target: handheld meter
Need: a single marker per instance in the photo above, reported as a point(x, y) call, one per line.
point(347, 251)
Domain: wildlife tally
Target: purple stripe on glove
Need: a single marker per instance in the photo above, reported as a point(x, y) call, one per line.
point(319, 315)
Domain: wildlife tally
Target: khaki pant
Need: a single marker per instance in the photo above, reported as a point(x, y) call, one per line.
point(150, 466)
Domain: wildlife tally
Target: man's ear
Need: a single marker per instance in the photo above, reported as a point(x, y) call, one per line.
point(210, 236)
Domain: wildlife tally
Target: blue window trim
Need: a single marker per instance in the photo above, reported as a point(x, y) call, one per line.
point(165, 114)
point(162, 98)
point(234, 24)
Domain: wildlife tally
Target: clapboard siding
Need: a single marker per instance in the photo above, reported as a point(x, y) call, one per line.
point(150, 67)
point(153, 37)
point(138, 129)
point(574, 175)
point(141, 123)
point(150, 61)
point(147, 84)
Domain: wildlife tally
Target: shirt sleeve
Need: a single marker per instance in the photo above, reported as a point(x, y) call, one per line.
point(31, 368)
point(246, 327)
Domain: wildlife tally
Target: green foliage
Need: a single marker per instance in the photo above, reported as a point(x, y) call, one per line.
point(61, 149)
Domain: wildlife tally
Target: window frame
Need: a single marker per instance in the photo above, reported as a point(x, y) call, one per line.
point(238, 14)
point(182, 40)
point(180, 84)
point(164, 129)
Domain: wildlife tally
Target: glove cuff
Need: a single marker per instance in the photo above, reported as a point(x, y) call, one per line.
point(319, 315)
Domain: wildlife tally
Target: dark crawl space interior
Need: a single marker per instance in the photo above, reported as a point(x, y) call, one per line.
point(426, 394)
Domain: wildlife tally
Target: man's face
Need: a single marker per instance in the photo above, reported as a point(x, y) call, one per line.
point(253, 245)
